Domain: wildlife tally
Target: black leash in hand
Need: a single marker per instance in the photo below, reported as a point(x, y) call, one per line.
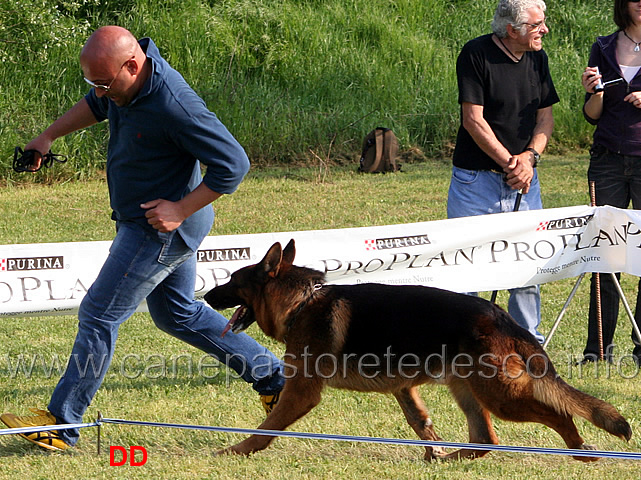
point(25, 161)
point(517, 204)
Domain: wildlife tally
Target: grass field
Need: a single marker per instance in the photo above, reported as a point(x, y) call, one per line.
point(168, 386)
point(290, 78)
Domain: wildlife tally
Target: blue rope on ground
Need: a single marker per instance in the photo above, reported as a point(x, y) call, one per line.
point(46, 428)
point(389, 441)
point(343, 438)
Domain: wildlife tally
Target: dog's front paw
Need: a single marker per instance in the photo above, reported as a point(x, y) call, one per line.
point(227, 451)
point(233, 450)
point(434, 453)
point(224, 451)
point(585, 446)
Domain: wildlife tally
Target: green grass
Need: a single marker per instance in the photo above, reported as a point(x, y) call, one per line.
point(284, 199)
point(298, 82)
point(292, 79)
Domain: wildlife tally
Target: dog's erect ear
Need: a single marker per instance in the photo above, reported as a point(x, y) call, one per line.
point(288, 254)
point(271, 263)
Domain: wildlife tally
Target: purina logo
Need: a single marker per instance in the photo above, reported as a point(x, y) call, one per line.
point(223, 254)
point(32, 263)
point(564, 223)
point(398, 242)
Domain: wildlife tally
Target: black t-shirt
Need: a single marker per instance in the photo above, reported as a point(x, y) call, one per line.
point(510, 93)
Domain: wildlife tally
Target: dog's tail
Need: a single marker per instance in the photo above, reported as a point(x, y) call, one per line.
point(567, 400)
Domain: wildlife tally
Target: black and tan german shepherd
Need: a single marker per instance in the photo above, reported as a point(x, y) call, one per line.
point(381, 338)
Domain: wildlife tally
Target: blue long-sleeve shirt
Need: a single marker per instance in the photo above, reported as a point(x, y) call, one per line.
point(157, 143)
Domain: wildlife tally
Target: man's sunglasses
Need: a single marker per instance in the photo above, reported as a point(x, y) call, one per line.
point(106, 88)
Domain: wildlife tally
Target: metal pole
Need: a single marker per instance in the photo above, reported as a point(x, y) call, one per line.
point(565, 307)
point(99, 422)
point(635, 328)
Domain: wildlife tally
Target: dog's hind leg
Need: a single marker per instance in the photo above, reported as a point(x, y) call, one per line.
point(562, 424)
point(515, 399)
point(532, 410)
point(419, 419)
point(478, 421)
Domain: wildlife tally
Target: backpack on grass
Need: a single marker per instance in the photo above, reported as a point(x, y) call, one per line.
point(380, 150)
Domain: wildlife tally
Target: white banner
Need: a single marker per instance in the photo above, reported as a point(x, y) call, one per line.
point(489, 252)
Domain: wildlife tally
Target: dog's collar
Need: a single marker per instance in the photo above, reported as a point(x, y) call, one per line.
point(294, 316)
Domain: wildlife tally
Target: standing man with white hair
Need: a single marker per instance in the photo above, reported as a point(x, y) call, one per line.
point(506, 95)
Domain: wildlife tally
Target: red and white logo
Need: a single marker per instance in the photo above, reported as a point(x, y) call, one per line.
point(542, 226)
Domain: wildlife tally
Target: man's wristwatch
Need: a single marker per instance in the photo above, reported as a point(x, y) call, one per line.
point(536, 155)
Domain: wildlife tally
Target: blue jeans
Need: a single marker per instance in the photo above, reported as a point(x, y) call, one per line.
point(481, 192)
point(161, 269)
point(617, 182)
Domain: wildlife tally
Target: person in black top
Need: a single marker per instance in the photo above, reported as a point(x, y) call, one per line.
point(506, 95)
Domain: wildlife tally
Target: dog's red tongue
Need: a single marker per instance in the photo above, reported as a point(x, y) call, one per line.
point(232, 320)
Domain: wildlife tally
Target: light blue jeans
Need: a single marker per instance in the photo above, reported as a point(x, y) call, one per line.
point(161, 269)
point(481, 192)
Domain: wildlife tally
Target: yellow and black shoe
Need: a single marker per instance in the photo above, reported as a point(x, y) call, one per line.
point(269, 402)
point(49, 439)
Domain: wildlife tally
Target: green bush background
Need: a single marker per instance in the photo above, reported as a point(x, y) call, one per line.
point(296, 81)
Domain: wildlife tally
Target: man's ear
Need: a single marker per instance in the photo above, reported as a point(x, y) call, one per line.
point(512, 32)
point(132, 66)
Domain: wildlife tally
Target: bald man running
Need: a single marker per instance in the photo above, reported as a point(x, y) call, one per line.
point(160, 133)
